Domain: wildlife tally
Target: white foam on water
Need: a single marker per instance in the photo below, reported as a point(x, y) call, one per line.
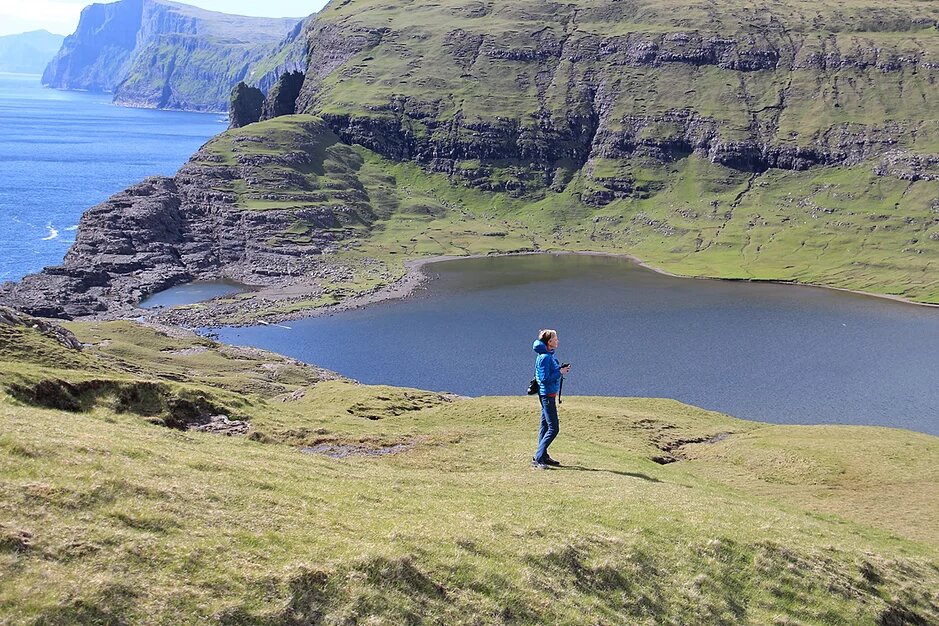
point(53, 233)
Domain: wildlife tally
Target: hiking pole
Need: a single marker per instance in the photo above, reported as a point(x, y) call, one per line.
point(560, 389)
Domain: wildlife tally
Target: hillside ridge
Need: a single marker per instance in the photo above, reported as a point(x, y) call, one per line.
point(341, 502)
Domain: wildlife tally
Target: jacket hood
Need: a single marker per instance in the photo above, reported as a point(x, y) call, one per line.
point(540, 347)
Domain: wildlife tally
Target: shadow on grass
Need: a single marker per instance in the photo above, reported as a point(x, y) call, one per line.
point(580, 468)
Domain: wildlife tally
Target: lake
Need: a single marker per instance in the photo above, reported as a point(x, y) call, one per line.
point(189, 293)
point(778, 353)
point(62, 152)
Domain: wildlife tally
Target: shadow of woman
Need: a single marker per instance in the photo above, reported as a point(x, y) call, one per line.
point(580, 468)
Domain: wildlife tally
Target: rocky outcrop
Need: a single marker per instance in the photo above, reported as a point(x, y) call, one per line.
point(910, 167)
point(161, 54)
point(12, 317)
point(167, 231)
point(246, 105)
point(282, 100)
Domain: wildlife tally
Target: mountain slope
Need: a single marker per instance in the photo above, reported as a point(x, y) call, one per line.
point(161, 54)
point(781, 141)
point(28, 53)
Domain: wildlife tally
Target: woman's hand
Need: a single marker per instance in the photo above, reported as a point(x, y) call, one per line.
point(565, 370)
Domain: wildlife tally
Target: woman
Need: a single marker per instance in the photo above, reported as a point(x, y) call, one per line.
point(548, 373)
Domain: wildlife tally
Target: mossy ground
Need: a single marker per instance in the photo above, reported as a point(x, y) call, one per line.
point(109, 517)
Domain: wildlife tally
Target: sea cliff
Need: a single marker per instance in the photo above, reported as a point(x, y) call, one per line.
point(161, 54)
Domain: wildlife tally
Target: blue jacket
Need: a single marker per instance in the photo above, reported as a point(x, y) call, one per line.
point(547, 369)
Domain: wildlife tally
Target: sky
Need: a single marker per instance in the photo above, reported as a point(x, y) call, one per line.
point(61, 16)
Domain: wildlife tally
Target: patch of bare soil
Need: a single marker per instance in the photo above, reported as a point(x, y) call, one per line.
point(672, 449)
point(344, 450)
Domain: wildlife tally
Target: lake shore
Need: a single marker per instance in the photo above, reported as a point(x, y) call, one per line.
point(415, 276)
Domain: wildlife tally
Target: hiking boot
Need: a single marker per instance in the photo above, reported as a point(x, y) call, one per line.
point(549, 461)
point(538, 465)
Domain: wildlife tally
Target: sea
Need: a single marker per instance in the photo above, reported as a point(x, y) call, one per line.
point(62, 152)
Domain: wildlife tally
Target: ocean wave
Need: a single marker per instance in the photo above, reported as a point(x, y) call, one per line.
point(71, 228)
point(53, 233)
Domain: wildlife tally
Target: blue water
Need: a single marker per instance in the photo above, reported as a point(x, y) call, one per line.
point(778, 353)
point(196, 291)
point(62, 152)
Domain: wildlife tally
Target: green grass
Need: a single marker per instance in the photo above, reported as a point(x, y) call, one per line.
point(108, 517)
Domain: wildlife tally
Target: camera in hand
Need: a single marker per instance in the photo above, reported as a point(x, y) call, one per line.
point(565, 365)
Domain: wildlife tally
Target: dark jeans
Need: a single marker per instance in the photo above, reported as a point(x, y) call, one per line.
point(549, 426)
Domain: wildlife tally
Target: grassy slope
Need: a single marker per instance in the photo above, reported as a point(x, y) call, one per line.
point(413, 62)
point(838, 226)
point(834, 226)
point(109, 517)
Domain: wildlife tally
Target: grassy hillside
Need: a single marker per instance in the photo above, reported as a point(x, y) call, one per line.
point(814, 226)
point(415, 507)
point(786, 141)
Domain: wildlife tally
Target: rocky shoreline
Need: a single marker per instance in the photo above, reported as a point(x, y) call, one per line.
point(218, 312)
point(415, 276)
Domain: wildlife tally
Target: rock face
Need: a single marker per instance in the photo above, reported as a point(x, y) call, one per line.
point(245, 107)
point(282, 100)
point(97, 55)
point(750, 88)
point(161, 54)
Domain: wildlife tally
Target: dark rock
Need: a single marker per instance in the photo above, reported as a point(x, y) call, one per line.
point(282, 99)
point(245, 107)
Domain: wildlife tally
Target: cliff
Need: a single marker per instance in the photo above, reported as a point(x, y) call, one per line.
point(96, 56)
point(205, 222)
point(161, 54)
point(28, 53)
point(554, 88)
point(772, 142)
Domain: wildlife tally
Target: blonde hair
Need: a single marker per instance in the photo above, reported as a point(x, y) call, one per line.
point(547, 334)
